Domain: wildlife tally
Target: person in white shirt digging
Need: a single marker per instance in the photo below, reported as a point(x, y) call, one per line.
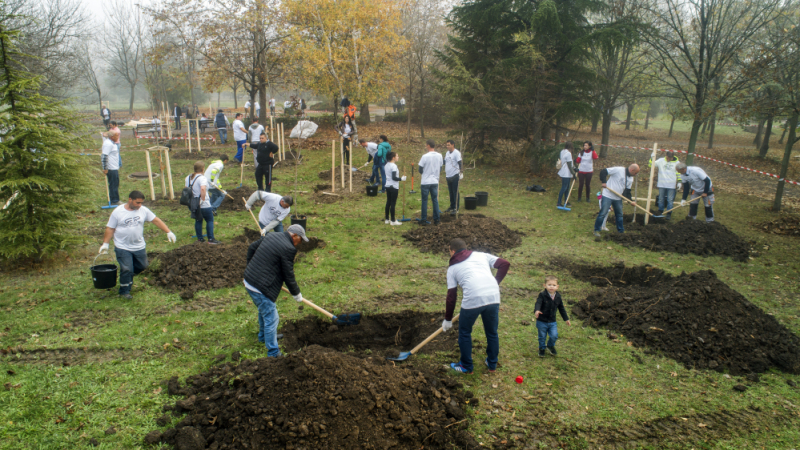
point(620, 180)
point(275, 209)
point(696, 181)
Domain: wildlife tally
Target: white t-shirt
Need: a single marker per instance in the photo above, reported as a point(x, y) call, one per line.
point(696, 176)
point(587, 161)
point(618, 181)
point(255, 133)
point(451, 160)
point(667, 177)
point(272, 209)
point(247, 105)
point(257, 106)
point(213, 172)
point(389, 168)
point(474, 275)
point(111, 151)
point(372, 148)
point(565, 157)
point(129, 227)
point(197, 184)
point(238, 134)
point(272, 102)
point(106, 114)
point(431, 164)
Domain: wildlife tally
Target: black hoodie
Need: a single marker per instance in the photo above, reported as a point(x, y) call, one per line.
point(548, 307)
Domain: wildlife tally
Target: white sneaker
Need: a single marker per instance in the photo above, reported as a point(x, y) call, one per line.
point(387, 221)
point(396, 222)
point(604, 228)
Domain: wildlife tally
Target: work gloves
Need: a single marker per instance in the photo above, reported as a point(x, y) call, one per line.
point(403, 178)
point(447, 325)
point(103, 249)
point(247, 207)
point(298, 298)
point(171, 236)
point(264, 231)
point(683, 202)
point(461, 176)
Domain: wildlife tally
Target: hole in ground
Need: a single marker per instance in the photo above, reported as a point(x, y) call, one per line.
point(615, 275)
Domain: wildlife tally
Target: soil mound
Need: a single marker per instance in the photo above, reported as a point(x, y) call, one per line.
point(786, 226)
point(236, 204)
point(697, 320)
point(317, 398)
point(686, 236)
point(198, 156)
point(483, 234)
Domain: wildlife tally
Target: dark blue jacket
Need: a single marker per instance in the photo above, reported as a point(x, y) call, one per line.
point(270, 263)
point(219, 121)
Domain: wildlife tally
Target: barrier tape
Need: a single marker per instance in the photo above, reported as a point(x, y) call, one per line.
point(181, 138)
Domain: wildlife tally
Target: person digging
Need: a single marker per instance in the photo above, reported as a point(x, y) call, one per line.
point(275, 209)
point(695, 178)
point(126, 226)
point(618, 179)
point(480, 297)
point(270, 264)
point(212, 174)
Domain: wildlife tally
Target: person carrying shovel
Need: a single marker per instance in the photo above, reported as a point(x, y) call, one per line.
point(270, 264)
point(566, 172)
point(615, 179)
point(696, 180)
point(481, 297)
point(275, 209)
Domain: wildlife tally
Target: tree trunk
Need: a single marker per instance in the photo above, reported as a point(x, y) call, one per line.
point(235, 99)
point(783, 135)
point(705, 125)
point(647, 119)
point(364, 113)
point(335, 110)
point(693, 141)
point(711, 128)
point(791, 125)
point(628, 119)
point(671, 124)
point(757, 139)
point(408, 111)
point(606, 132)
point(262, 100)
point(133, 89)
point(252, 104)
point(421, 108)
point(100, 99)
point(762, 152)
point(595, 121)
point(219, 94)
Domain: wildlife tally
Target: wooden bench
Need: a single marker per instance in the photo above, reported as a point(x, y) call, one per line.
point(149, 128)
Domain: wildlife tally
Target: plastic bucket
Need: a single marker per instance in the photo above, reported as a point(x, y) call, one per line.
point(483, 198)
point(299, 220)
point(372, 191)
point(104, 276)
point(470, 202)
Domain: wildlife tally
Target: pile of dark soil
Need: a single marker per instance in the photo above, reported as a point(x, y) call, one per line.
point(317, 398)
point(695, 319)
point(786, 226)
point(481, 233)
point(236, 204)
point(320, 197)
point(387, 334)
point(198, 156)
point(683, 237)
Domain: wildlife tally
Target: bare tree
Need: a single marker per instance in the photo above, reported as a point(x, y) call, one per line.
point(91, 72)
point(124, 30)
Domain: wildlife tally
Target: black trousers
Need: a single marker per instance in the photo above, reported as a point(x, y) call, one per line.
point(264, 172)
point(347, 151)
point(391, 201)
point(452, 188)
point(177, 123)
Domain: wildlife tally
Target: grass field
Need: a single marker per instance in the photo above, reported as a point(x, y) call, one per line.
point(119, 352)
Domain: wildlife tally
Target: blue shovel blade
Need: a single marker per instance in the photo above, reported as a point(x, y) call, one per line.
point(402, 357)
point(564, 208)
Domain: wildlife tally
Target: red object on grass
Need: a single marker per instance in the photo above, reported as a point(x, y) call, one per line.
point(519, 379)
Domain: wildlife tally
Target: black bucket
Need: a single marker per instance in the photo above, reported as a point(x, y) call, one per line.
point(372, 191)
point(470, 202)
point(483, 198)
point(299, 220)
point(104, 276)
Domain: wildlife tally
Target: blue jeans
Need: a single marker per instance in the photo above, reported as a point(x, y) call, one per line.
point(564, 189)
point(217, 198)
point(113, 186)
point(378, 173)
point(605, 204)
point(452, 188)
point(130, 264)
point(278, 228)
point(547, 329)
point(490, 316)
point(267, 322)
point(665, 195)
point(239, 150)
point(433, 189)
point(223, 135)
point(206, 214)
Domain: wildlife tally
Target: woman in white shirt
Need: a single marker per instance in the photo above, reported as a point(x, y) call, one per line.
point(199, 185)
point(347, 129)
point(565, 172)
point(393, 180)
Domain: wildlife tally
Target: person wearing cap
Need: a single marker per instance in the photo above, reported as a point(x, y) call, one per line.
point(619, 179)
point(275, 209)
point(696, 180)
point(270, 264)
point(480, 298)
point(667, 180)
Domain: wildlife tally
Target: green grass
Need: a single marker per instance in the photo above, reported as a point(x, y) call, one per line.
point(133, 346)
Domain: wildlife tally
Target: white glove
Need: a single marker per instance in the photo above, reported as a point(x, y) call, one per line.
point(247, 207)
point(461, 176)
point(171, 236)
point(298, 297)
point(225, 192)
point(683, 202)
point(103, 249)
point(447, 325)
point(403, 178)
point(264, 231)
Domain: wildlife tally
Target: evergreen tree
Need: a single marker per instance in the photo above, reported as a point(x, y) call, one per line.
point(42, 185)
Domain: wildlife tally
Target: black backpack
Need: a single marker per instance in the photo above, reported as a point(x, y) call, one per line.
point(187, 195)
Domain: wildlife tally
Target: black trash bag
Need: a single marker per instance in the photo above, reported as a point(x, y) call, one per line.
point(535, 188)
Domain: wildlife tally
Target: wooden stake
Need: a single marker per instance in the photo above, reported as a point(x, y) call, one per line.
point(271, 129)
point(161, 171)
point(108, 193)
point(197, 130)
point(241, 175)
point(333, 165)
point(341, 154)
point(350, 166)
point(150, 175)
point(169, 174)
point(283, 144)
point(650, 187)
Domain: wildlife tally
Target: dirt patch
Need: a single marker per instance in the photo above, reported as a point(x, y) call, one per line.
point(236, 204)
point(67, 356)
point(697, 320)
point(615, 275)
point(163, 201)
point(481, 233)
point(291, 159)
point(683, 237)
point(385, 334)
point(197, 156)
point(785, 226)
point(317, 398)
point(324, 195)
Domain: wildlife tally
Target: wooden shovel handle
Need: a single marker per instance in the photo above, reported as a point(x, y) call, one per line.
point(307, 302)
point(253, 216)
point(431, 337)
point(673, 209)
point(632, 203)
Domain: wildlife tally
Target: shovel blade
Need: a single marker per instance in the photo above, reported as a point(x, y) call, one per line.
point(347, 319)
point(564, 208)
point(402, 357)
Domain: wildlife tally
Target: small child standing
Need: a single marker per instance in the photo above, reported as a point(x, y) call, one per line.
point(546, 304)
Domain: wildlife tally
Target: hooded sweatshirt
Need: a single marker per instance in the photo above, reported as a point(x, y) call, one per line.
point(473, 272)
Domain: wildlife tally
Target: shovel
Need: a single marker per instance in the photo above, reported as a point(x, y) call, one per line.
point(566, 202)
point(341, 319)
point(673, 209)
point(621, 196)
point(404, 201)
point(404, 355)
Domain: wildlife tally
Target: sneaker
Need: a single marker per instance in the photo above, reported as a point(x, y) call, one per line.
point(386, 221)
point(459, 368)
point(423, 223)
point(552, 351)
point(587, 200)
point(486, 363)
point(568, 205)
point(541, 353)
point(214, 241)
point(201, 240)
point(382, 192)
point(396, 223)
point(436, 222)
point(279, 336)
point(605, 229)
point(597, 235)
point(126, 296)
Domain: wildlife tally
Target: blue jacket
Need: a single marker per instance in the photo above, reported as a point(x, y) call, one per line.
point(383, 149)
